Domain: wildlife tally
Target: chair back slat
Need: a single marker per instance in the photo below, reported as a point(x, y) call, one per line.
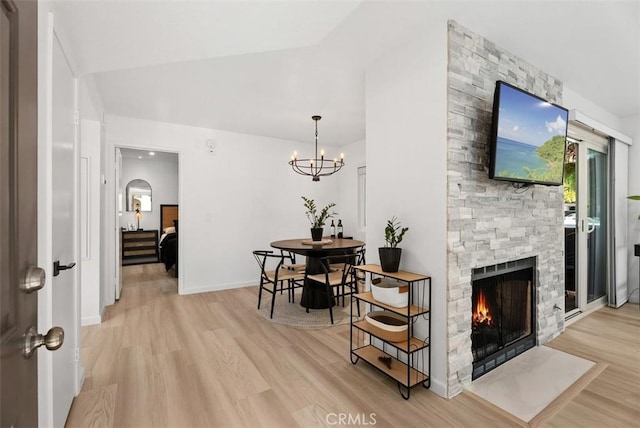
point(266, 259)
point(275, 277)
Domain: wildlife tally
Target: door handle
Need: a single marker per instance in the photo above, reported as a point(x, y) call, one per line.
point(590, 223)
point(32, 340)
point(57, 267)
point(34, 279)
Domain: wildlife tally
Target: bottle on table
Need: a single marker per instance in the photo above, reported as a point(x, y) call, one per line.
point(340, 228)
point(333, 229)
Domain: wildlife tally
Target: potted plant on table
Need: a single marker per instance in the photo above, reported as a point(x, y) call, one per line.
point(390, 253)
point(317, 220)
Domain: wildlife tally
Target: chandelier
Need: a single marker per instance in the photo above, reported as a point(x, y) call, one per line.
point(318, 166)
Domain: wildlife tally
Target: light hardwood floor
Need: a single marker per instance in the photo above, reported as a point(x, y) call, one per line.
point(163, 360)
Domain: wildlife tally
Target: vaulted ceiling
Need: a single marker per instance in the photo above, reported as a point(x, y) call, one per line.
point(264, 67)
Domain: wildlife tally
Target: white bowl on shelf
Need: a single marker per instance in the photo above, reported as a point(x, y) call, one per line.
point(390, 292)
point(387, 325)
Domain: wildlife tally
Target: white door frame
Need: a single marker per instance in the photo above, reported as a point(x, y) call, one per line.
point(117, 233)
point(583, 224)
point(46, 40)
point(619, 175)
point(586, 138)
point(112, 228)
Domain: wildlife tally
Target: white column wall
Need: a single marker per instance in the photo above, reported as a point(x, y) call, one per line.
point(406, 104)
point(347, 198)
point(90, 248)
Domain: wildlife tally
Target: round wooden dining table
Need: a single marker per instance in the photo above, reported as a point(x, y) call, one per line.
point(313, 295)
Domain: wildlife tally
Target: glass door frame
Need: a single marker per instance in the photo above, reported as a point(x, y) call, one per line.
point(584, 224)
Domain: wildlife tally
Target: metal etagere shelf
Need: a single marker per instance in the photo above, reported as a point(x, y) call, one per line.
point(403, 361)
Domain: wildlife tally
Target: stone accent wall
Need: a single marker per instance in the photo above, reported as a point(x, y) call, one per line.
point(489, 221)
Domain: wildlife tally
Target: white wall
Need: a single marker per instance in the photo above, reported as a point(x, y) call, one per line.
point(92, 258)
point(347, 198)
point(238, 199)
point(573, 101)
point(90, 248)
point(162, 175)
point(90, 101)
point(631, 126)
point(107, 222)
point(406, 104)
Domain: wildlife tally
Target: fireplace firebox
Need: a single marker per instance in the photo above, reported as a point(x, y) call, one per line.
point(503, 313)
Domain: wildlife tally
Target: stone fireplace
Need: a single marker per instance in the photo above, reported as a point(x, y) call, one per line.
point(502, 313)
point(490, 223)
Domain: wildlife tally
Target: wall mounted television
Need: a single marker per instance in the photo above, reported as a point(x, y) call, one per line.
point(528, 138)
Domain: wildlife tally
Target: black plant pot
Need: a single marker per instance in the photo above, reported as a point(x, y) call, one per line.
point(316, 233)
point(389, 258)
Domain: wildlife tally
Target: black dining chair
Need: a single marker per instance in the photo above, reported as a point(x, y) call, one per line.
point(338, 277)
point(299, 268)
point(358, 277)
point(290, 262)
point(273, 274)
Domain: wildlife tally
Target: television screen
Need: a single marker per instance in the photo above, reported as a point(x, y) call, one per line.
point(528, 137)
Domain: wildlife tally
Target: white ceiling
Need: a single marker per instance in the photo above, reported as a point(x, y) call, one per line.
point(265, 67)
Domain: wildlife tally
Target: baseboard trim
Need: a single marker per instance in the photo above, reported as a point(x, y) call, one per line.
point(218, 287)
point(439, 388)
point(92, 320)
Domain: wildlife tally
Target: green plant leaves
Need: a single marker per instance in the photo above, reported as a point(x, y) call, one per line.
point(317, 220)
point(394, 232)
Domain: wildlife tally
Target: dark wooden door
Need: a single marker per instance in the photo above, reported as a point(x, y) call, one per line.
point(18, 210)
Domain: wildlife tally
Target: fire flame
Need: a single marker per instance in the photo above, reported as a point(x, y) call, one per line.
point(481, 313)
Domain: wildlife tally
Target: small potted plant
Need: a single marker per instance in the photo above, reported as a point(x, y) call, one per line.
point(317, 220)
point(390, 253)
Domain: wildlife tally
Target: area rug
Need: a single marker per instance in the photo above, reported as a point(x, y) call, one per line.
point(529, 383)
point(295, 315)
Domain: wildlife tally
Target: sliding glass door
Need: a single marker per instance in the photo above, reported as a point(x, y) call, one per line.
point(586, 224)
point(596, 225)
point(570, 228)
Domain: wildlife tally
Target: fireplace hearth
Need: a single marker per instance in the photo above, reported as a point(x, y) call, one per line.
point(503, 313)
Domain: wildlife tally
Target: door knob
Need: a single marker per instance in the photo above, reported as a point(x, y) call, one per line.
point(57, 267)
point(33, 280)
point(32, 340)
